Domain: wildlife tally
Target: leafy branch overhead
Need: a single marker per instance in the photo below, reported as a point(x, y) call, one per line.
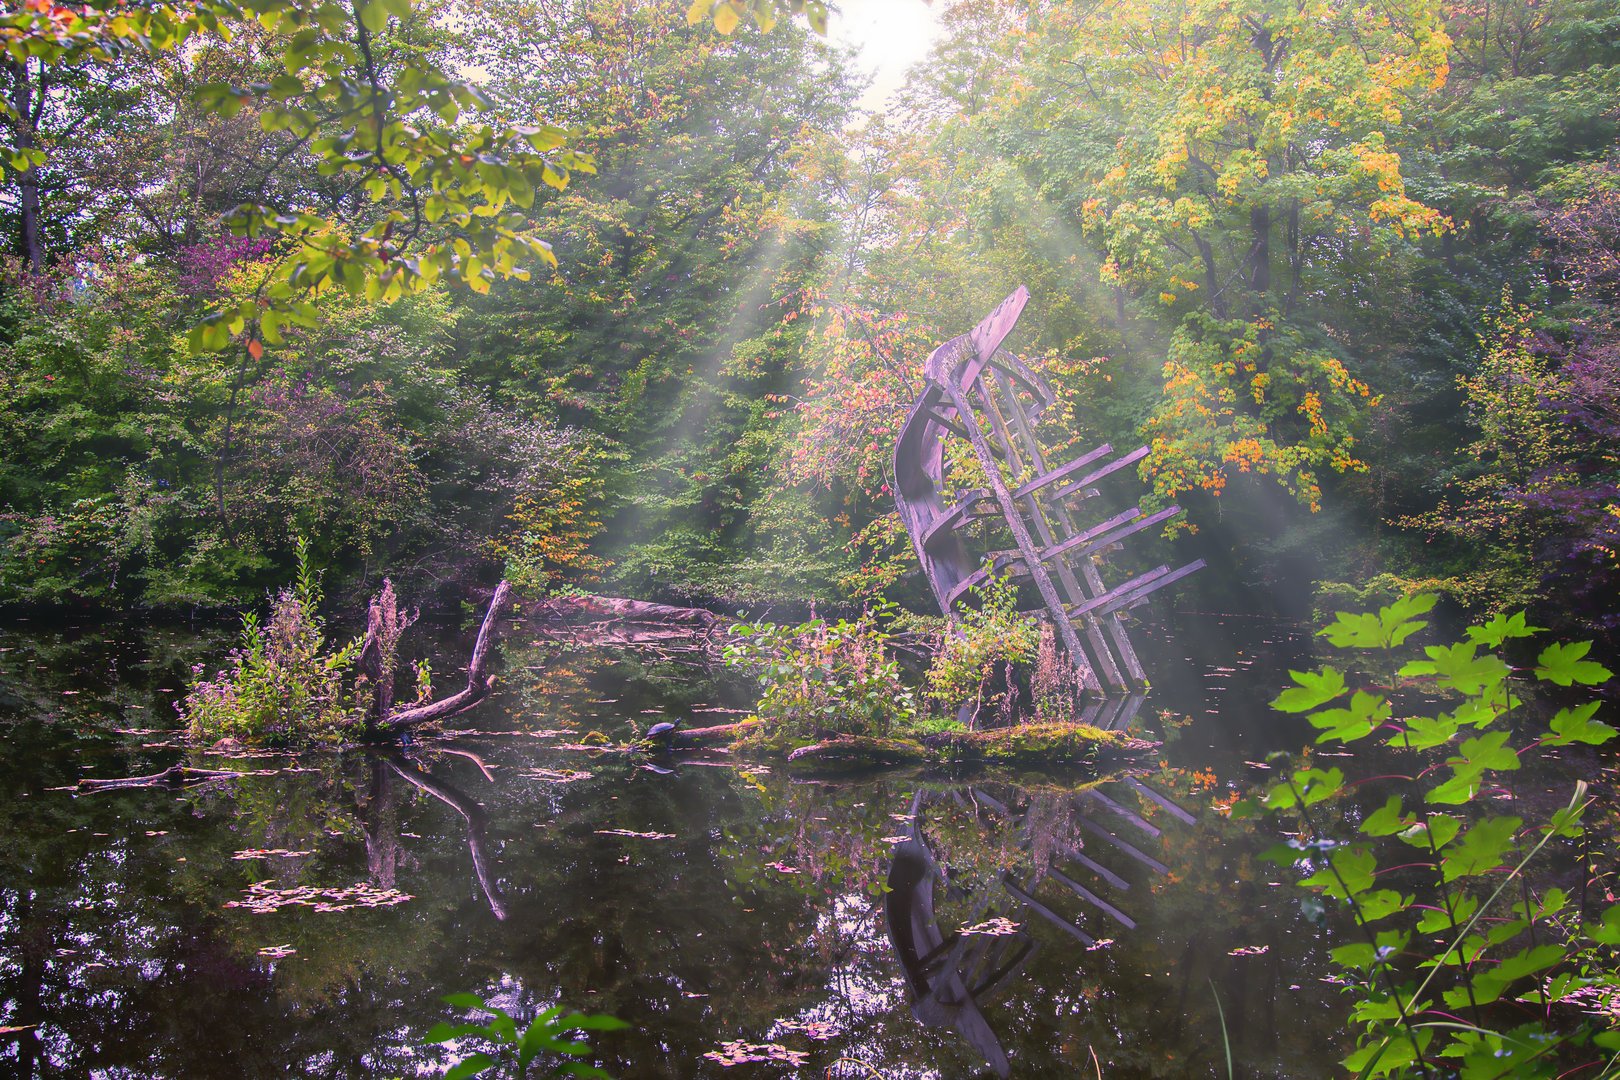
point(729, 14)
point(436, 193)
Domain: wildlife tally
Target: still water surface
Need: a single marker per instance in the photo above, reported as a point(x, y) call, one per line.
point(304, 920)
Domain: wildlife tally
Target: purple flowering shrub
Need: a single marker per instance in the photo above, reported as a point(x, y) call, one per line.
point(282, 685)
point(203, 266)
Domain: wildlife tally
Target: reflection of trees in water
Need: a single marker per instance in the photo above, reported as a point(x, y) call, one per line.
point(693, 939)
point(561, 681)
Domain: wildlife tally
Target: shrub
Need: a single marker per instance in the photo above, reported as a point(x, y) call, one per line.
point(283, 684)
point(1463, 965)
point(552, 1044)
point(978, 652)
point(821, 678)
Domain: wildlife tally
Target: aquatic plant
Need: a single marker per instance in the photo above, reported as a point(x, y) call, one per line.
point(551, 1039)
point(283, 683)
point(977, 654)
point(1465, 965)
point(820, 678)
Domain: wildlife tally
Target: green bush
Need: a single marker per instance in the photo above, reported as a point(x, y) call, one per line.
point(283, 684)
point(978, 651)
point(551, 1044)
point(821, 678)
point(1462, 965)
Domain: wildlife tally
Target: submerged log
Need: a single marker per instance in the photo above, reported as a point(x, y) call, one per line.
point(1039, 744)
point(173, 776)
point(615, 608)
point(860, 750)
point(718, 735)
point(479, 681)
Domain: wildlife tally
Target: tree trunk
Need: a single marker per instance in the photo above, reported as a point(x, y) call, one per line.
point(25, 126)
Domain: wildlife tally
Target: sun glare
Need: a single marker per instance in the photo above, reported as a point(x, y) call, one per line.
point(891, 36)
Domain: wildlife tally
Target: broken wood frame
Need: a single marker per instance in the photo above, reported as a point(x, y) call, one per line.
point(978, 391)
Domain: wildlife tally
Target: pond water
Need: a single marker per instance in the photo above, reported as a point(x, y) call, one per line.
point(306, 919)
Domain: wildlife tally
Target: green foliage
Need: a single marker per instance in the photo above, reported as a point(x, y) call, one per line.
point(550, 1045)
point(445, 192)
point(820, 678)
point(982, 641)
point(284, 685)
point(1474, 930)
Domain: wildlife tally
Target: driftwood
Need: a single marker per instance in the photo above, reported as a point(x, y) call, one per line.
point(477, 825)
point(718, 735)
point(479, 682)
point(617, 609)
point(386, 622)
point(859, 750)
point(173, 776)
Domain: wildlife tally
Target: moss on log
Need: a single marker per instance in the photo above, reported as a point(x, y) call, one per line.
point(859, 751)
point(1023, 744)
point(1038, 744)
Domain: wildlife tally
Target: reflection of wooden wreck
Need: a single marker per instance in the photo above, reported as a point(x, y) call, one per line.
point(952, 975)
point(980, 392)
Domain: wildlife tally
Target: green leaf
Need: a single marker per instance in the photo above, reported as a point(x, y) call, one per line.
point(1607, 931)
point(1501, 628)
point(1387, 819)
point(1365, 713)
point(1562, 664)
point(1489, 751)
point(1458, 668)
point(1381, 904)
point(1354, 864)
point(466, 1001)
point(1484, 848)
point(1489, 984)
point(1425, 732)
point(1315, 688)
point(472, 1066)
point(1575, 725)
point(1390, 627)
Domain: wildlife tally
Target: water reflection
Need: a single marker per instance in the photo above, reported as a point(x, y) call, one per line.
point(383, 848)
point(953, 974)
point(702, 901)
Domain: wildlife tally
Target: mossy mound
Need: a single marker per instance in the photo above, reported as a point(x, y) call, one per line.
point(1024, 744)
point(859, 751)
point(1038, 744)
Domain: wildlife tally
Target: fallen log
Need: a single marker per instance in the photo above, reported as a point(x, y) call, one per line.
point(860, 750)
point(718, 735)
point(1038, 744)
point(479, 681)
point(173, 776)
point(618, 609)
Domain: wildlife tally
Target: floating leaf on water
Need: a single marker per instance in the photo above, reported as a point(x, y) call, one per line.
point(638, 835)
point(261, 897)
point(902, 838)
point(267, 853)
point(813, 1029)
point(1100, 943)
point(1249, 950)
point(558, 776)
point(740, 1052)
point(157, 832)
point(996, 927)
point(784, 868)
point(277, 952)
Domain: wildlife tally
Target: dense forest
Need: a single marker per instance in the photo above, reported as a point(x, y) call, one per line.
point(1349, 272)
